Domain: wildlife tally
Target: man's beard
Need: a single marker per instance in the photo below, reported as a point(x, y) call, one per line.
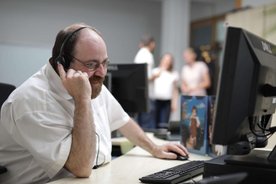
point(96, 85)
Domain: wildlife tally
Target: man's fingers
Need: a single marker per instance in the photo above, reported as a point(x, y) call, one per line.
point(179, 149)
point(61, 71)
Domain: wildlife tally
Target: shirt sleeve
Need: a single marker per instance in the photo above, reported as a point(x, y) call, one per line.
point(182, 75)
point(204, 68)
point(116, 114)
point(45, 135)
point(176, 76)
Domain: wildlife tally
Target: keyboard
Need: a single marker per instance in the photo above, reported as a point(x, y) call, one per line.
point(176, 174)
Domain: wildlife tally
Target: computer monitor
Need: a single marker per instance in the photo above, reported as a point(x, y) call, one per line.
point(246, 97)
point(129, 85)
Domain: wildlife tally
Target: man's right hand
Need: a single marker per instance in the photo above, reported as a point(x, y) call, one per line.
point(83, 147)
point(76, 83)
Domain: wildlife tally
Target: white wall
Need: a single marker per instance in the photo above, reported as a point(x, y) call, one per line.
point(201, 9)
point(19, 62)
point(28, 30)
point(255, 3)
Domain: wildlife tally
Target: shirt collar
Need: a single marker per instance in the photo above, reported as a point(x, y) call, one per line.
point(55, 82)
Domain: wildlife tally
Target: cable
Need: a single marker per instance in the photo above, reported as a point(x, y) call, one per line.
point(98, 152)
point(253, 122)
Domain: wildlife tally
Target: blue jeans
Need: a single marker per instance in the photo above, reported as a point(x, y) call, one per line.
point(162, 113)
point(147, 119)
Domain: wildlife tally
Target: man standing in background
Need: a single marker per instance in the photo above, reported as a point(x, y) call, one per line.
point(145, 55)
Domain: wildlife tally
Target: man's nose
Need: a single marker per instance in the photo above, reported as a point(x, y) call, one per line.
point(101, 70)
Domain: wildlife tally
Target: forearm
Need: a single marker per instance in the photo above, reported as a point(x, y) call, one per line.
point(206, 83)
point(83, 147)
point(137, 136)
point(184, 87)
point(153, 77)
point(175, 97)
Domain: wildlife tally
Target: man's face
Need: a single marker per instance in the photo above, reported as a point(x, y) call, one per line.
point(90, 49)
point(166, 61)
point(189, 57)
point(152, 46)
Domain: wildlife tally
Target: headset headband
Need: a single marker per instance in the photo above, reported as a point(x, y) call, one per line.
point(66, 40)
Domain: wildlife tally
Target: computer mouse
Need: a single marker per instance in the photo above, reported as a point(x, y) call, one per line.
point(181, 157)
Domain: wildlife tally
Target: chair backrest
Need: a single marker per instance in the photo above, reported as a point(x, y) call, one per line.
point(5, 91)
point(3, 169)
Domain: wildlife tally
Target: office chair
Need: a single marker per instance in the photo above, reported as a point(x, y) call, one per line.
point(5, 91)
point(3, 169)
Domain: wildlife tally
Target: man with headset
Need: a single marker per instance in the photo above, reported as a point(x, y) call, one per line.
point(58, 122)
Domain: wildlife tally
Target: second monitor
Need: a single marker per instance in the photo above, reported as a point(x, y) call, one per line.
point(246, 100)
point(128, 83)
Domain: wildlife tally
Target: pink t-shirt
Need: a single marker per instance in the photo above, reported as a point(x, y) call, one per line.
point(193, 76)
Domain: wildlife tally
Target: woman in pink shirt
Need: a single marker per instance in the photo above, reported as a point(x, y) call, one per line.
point(195, 75)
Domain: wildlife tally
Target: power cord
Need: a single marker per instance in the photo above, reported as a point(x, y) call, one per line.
point(98, 152)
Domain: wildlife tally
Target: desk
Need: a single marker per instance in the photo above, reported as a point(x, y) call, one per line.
point(122, 143)
point(128, 168)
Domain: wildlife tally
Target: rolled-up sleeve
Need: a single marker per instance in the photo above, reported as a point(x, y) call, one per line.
point(45, 134)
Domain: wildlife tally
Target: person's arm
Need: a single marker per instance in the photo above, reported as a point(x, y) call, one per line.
point(83, 147)
point(206, 82)
point(82, 153)
point(155, 74)
point(183, 84)
point(136, 135)
point(175, 96)
point(184, 87)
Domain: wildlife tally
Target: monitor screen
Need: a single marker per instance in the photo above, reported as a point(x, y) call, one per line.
point(246, 97)
point(129, 85)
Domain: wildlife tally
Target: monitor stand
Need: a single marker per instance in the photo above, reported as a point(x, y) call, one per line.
point(260, 165)
point(256, 158)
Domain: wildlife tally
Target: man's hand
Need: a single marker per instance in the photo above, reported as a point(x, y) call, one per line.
point(83, 147)
point(137, 136)
point(167, 151)
point(76, 83)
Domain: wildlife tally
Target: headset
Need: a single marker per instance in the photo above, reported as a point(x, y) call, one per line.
point(60, 59)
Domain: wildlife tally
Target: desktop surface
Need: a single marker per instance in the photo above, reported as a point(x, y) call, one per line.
point(129, 168)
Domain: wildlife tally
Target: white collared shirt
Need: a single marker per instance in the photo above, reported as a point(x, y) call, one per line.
point(36, 124)
point(145, 56)
point(163, 86)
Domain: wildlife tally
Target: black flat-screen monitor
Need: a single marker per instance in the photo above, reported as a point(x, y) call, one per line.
point(246, 97)
point(129, 85)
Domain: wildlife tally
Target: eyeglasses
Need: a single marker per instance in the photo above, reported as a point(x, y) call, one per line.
point(92, 65)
